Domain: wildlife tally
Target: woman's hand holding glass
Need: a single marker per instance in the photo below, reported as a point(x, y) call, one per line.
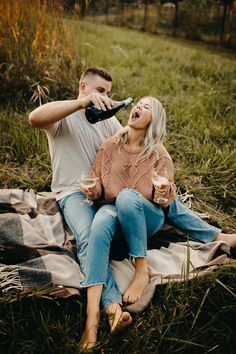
point(161, 185)
point(86, 183)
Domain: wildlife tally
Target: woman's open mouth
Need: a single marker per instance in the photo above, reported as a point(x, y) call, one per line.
point(135, 115)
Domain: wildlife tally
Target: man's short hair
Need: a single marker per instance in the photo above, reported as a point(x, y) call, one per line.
point(94, 70)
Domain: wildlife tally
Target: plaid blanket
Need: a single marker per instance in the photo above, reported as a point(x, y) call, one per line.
point(38, 250)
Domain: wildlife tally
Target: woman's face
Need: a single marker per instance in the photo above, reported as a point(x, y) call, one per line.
point(141, 115)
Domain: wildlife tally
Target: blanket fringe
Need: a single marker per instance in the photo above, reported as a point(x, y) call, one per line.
point(9, 279)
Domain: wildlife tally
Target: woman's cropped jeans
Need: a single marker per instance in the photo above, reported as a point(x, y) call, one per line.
point(139, 219)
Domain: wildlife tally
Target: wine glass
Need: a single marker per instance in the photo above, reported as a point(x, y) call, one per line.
point(87, 182)
point(160, 180)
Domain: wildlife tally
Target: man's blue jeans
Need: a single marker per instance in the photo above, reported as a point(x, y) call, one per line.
point(139, 219)
point(81, 221)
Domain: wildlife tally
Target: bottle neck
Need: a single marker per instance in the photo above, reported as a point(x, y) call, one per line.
point(128, 101)
point(123, 103)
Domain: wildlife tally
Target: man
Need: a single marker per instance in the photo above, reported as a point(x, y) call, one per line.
point(73, 143)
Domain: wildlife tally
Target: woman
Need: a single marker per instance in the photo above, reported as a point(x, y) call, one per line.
point(124, 167)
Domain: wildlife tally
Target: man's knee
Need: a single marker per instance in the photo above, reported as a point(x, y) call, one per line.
point(106, 214)
point(104, 224)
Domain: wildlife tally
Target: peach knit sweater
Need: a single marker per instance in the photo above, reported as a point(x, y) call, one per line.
point(118, 167)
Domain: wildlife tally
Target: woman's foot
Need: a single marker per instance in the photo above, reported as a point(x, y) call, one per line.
point(118, 319)
point(89, 336)
point(136, 288)
point(228, 238)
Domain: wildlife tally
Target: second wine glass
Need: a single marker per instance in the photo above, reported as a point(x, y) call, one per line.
point(160, 180)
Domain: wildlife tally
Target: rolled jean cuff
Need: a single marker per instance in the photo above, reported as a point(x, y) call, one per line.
point(137, 256)
point(217, 232)
point(87, 285)
point(206, 239)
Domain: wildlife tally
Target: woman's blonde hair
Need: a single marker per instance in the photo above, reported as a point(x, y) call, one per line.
point(155, 133)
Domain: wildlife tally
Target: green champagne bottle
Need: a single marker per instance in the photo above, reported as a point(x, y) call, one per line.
point(95, 115)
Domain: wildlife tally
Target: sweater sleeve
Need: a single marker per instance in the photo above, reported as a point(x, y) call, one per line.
point(95, 172)
point(165, 167)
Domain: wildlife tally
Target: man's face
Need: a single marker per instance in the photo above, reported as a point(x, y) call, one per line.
point(95, 84)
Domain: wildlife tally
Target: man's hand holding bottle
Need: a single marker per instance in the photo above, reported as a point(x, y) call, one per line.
point(99, 101)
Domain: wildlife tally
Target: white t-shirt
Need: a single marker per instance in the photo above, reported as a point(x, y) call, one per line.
point(73, 144)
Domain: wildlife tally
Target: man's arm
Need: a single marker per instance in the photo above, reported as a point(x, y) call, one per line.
point(49, 113)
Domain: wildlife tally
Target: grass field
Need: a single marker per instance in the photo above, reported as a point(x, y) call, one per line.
point(197, 86)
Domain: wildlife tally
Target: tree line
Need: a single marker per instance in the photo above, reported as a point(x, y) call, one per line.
point(195, 19)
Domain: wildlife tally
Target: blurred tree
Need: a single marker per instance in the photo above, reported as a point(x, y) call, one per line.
point(83, 5)
point(225, 36)
point(106, 7)
point(69, 6)
point(145, 17)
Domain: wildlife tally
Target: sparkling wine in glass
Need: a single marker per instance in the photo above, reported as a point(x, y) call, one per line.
point(87, 182)
point(160, 180)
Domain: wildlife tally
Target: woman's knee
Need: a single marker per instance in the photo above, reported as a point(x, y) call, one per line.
point(127, 198)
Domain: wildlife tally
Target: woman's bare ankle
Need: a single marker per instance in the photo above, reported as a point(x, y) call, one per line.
point(135, 290)
point(140, 264)
point(230, 239)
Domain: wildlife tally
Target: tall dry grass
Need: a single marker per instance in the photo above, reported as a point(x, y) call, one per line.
point(36, 59)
